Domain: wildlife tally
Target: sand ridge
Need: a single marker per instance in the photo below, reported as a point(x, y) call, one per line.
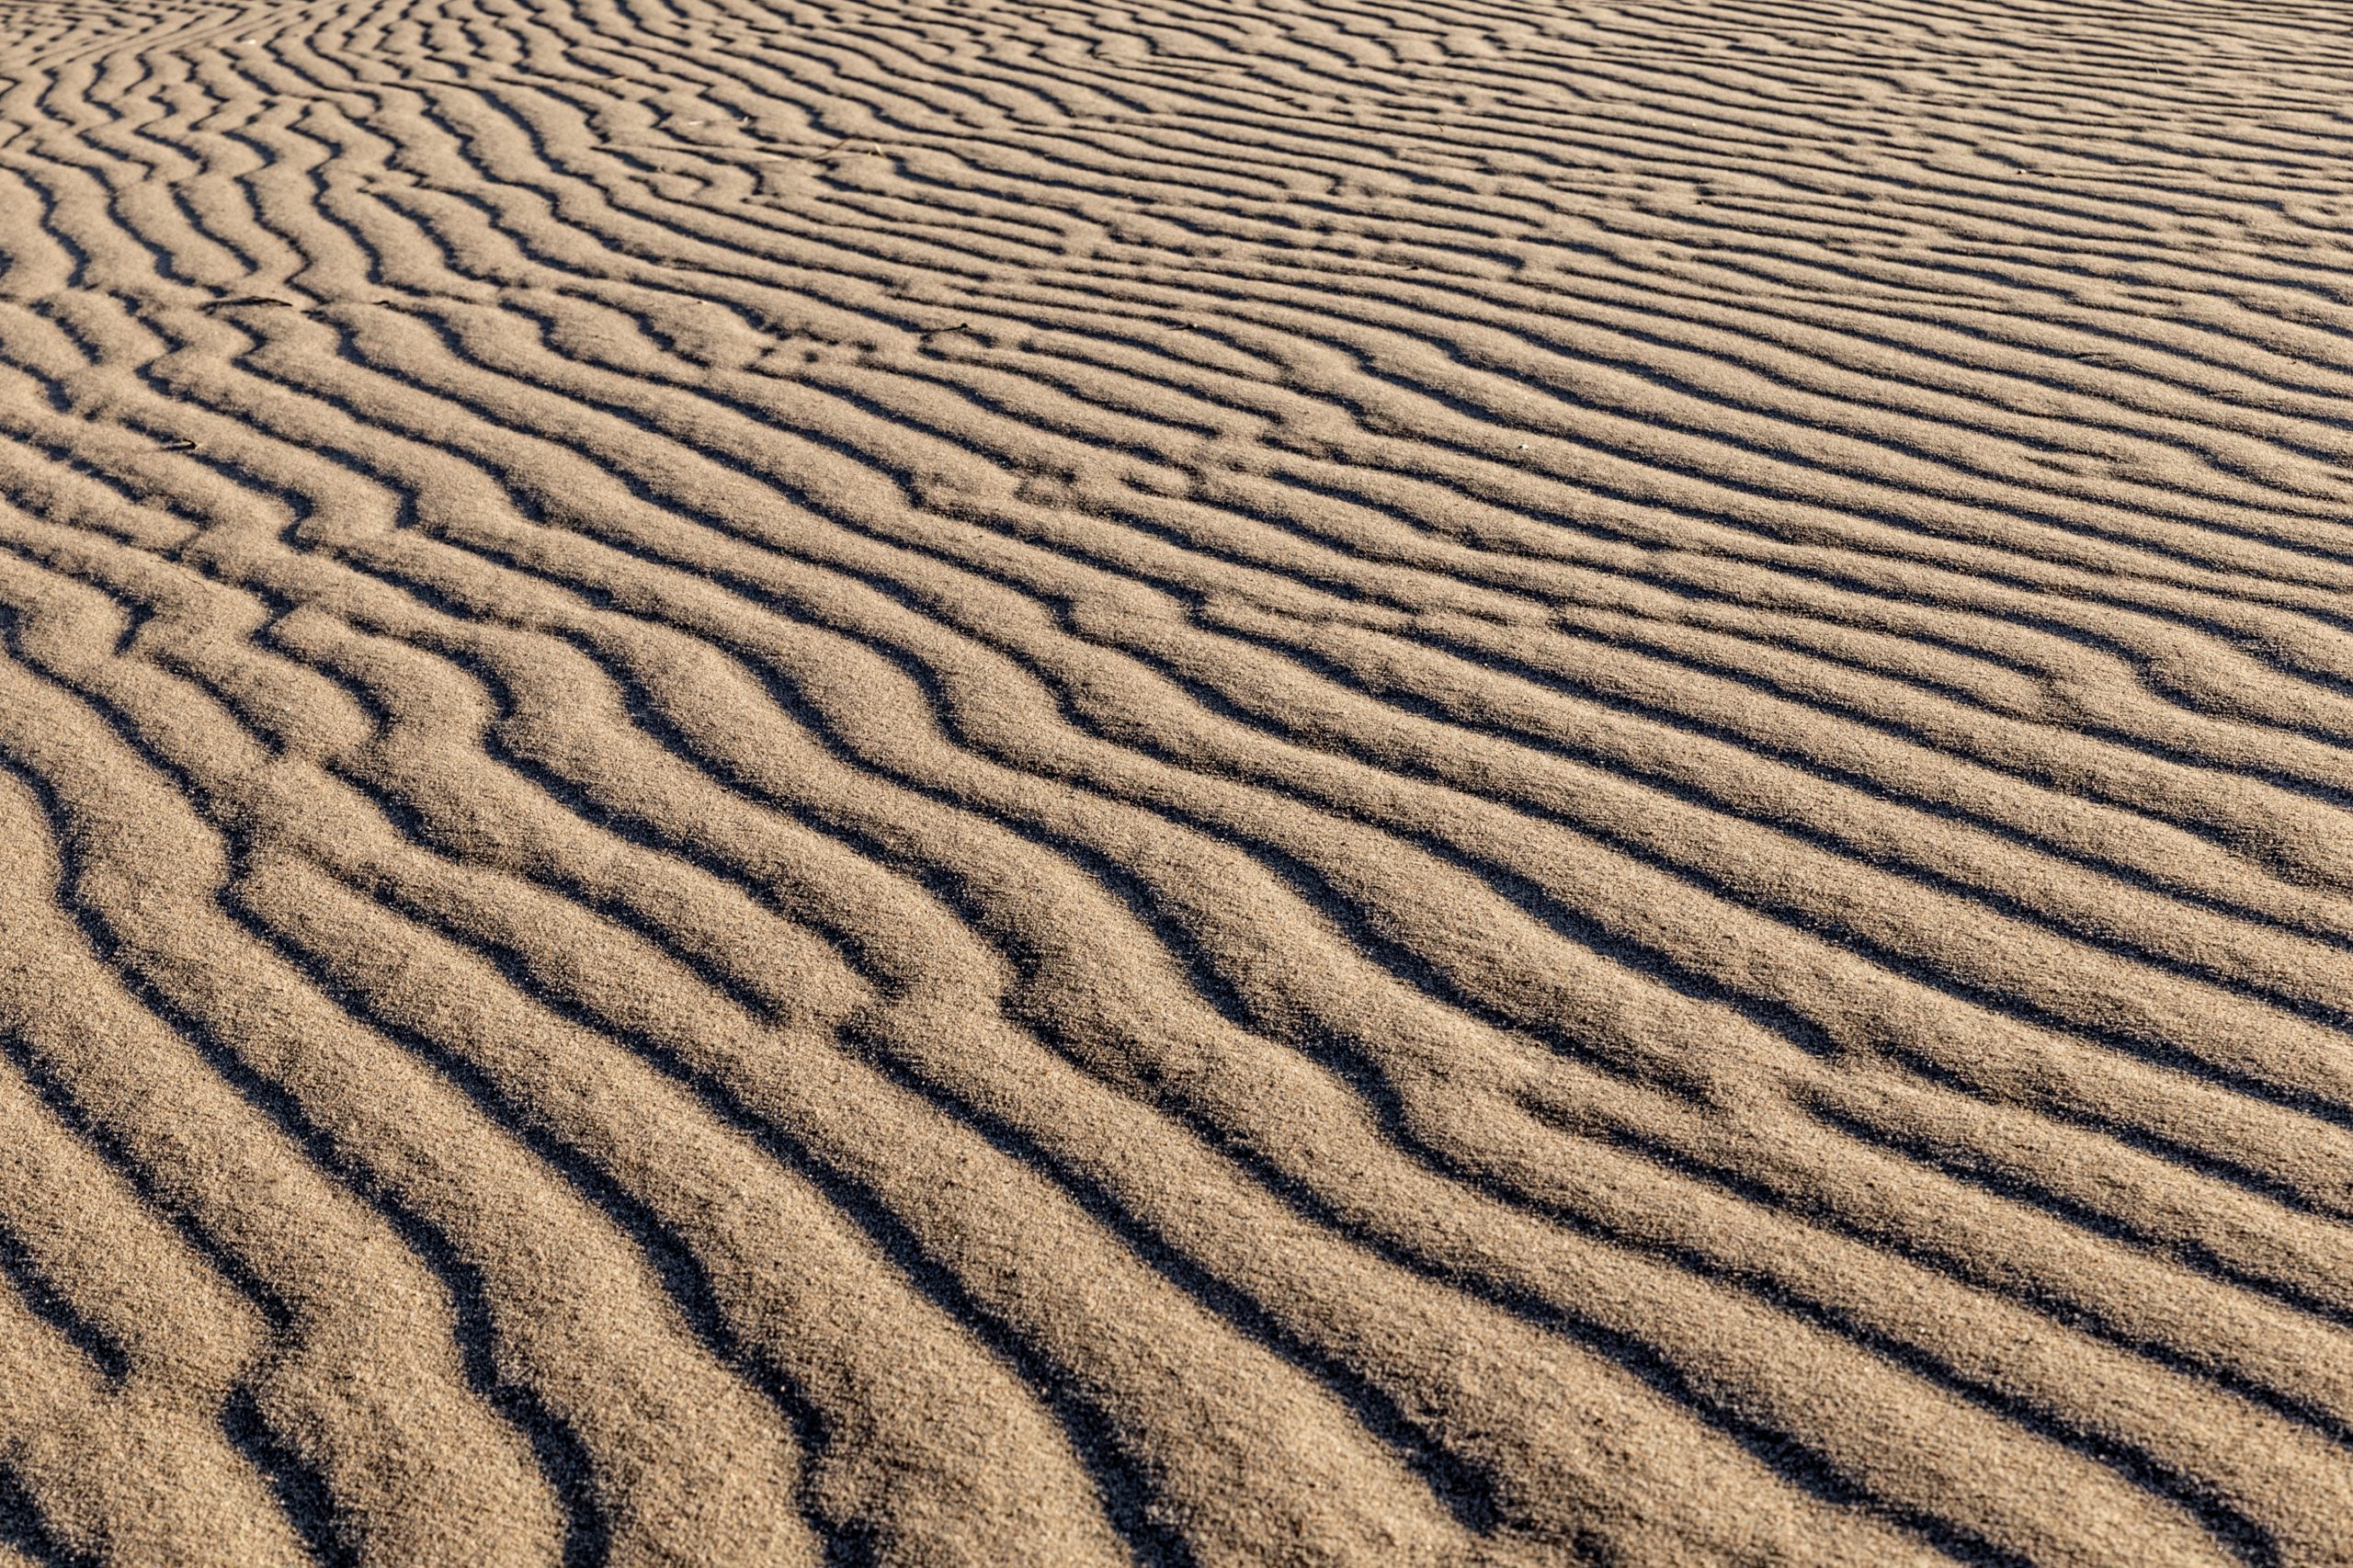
point(1225, 781)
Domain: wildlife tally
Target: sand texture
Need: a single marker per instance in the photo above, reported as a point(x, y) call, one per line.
point(1059, 782)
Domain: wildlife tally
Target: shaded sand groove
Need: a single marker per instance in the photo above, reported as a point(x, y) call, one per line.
point(1221, 782)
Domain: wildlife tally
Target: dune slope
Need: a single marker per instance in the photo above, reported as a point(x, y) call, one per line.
point(1223, 781)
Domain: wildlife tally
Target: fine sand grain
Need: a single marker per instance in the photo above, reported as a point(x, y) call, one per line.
point(1204, 782)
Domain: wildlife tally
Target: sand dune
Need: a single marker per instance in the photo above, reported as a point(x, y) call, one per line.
point(1237, 781)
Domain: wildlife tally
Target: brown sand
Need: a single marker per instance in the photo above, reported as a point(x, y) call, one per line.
point(1230, 781)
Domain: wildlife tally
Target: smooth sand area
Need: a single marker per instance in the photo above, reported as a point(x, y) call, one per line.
point(1196, 782)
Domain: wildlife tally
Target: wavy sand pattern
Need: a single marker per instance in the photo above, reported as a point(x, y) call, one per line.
point(1220, 782)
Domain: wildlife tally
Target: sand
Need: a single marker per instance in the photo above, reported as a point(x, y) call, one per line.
point(1221, 782)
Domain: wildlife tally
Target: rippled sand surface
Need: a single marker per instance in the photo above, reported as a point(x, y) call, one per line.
point(1205, 782)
